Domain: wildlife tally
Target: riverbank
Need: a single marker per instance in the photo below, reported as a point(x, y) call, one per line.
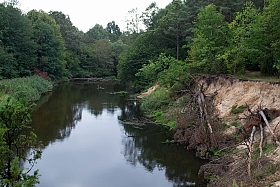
point(28, 88)
point(216, 119)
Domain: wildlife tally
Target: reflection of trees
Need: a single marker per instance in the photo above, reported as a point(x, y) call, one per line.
point(54, 119)
point(144, 147)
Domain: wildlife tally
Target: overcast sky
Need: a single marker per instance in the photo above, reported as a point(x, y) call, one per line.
point(84, 14)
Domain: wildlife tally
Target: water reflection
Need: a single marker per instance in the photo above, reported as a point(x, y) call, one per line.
point(54, 120)
point(141, 145)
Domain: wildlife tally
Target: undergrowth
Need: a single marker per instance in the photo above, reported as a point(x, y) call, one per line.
point(29, 88)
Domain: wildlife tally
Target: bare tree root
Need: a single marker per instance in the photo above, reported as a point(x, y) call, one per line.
point(203, 110)
point(250, 147)
point(269, 128)
point(261, 140)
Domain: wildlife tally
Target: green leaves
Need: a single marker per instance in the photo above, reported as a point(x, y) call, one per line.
point(15, 141)
point(50, 44)
point(16, 45)
point(211, 38)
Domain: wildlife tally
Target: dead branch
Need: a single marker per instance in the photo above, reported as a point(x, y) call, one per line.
point(251, 149)
point(261, 140)
point(268, 126)
point(202, 106)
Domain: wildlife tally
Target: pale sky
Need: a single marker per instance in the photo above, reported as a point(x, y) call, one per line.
point(84, 14)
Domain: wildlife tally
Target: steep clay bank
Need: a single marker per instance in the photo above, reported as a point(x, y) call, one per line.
point(232, 168)
point(227, 148)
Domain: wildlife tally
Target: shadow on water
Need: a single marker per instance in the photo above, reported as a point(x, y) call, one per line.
point(54, 120)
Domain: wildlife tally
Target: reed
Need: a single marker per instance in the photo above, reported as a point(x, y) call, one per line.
point(28, 88)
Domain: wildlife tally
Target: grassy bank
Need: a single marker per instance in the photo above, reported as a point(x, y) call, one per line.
point(29, 88)
point(162, 107)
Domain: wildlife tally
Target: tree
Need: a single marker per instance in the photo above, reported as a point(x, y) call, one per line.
point(102, 49)
point(117, 48)
point(147, 46)
point(133, 21)
point(211, 38)
point(149, 16)
point(174, 26)
point(114, 31)
point(96, 33)
point(50, 44)
point(270, 23)
point(16, 140)
point(70, 34)
point(72, 41)
point(8, 64)
point(18, 47)
point(244, 49)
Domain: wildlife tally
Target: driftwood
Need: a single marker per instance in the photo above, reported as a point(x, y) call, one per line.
point(268, 126)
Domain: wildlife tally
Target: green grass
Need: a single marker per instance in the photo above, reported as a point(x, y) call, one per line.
point(29, 88)
point(238, 109)
point(258, 76)
point(156, 100)
point(235, 123)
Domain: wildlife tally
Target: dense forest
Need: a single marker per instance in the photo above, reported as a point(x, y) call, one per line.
point(190, 36)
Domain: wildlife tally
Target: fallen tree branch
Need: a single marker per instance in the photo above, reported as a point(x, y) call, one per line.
point(202, 106)
point(269, 128)
point(261, 140)
point(251, 149)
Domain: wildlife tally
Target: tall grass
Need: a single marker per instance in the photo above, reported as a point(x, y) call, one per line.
point(28, 88)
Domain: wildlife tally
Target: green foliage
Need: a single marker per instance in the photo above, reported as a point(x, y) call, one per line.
point(16, 141)
point(168, 71)
point(17, 47)
point(121, 93)
point(171, 125)
point(29, 88)
point(235, 123)
point(236, 136)
point(270, 23)
point(148, 74)
point(235, 184)
point(213, 177)
point(216, 152)
point(50, 50)
point(267, 170)
point(146, 47)
point(158, 117)
point(114, 31)
point(175, 27)
point(211, 38)
point(238, 109)
point(175, 76)
point(156, 100)
point(268, 148)
point(244, 50)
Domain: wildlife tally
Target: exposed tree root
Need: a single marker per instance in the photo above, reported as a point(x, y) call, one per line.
point(269, 128)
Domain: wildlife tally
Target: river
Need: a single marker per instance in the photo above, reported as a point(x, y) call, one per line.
point(87, 142)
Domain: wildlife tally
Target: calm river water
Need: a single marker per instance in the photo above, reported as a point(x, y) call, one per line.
point(87, 144)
